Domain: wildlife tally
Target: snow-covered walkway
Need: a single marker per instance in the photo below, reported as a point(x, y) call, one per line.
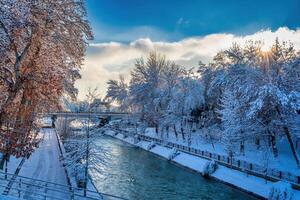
point(44, 163)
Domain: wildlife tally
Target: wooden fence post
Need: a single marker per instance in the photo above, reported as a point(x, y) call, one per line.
point(280, 174)
point(19, 190)
point(46, 191)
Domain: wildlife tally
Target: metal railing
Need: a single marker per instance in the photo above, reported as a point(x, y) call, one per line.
point(237, 164)
point(86, 114)
point(28, 188)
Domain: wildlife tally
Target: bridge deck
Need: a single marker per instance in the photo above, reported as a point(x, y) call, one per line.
point(86, 114)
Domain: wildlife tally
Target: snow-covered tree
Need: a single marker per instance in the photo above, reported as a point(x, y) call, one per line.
point(231, 119)
point(78, 146)
point(117, 90)
point(43, 43)
point(250, 94)
point(267, 93)
point(83, 151)
point(145, 87)
point(186, 96)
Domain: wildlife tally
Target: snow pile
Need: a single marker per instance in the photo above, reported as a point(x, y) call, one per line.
point(114, 133)
point(136, 139)
point(281, 191)
point(8, 198)
point(151, 145)
point(173, 154)
point(209, 168)
point(79, 172)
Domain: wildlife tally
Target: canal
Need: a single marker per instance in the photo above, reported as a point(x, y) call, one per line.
point(135, 174)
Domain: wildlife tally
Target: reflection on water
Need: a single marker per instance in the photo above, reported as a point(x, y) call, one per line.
point(136, 174)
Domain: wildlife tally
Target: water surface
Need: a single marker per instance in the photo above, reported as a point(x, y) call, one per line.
point(135, 174)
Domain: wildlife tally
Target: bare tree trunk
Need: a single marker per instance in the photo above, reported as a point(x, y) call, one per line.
point(289, 137)
point(272, 143)
point(182, 132)
point(156, 129)
point(175, 131)
point(87, 155)
point(167, 129)
point(242, 147)
point(257, 142)
point(15, 88)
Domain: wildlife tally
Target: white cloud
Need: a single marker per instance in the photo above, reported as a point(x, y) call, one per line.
point(106, 61)
point(109, 33)
point(182, 21)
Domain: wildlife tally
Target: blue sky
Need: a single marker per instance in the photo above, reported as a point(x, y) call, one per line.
point(186, 31)
point(171, 20)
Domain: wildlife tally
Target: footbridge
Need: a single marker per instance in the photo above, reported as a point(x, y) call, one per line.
point(106, 116)
point(87, 114)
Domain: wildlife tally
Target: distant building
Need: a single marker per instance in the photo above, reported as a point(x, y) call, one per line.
point(99, 105)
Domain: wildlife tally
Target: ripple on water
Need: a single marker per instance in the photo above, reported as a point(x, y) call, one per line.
point(136, 174)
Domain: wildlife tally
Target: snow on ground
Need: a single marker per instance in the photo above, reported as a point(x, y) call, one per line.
point(162, 151)
point(44, 163)
point(143, 144)
point(130, 140)
point(12, 165)
point(284, 162)
point(236, 178)
point(7, 198)
point(240, 179)
point(90, 186)
point(190, 161)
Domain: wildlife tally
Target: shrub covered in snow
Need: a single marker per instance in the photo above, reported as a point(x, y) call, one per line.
point(79, 172)
point(136, 139)
point(173, 154)
point(115, 133)
point(209, 168)
point(151, 145)
point(281, 191)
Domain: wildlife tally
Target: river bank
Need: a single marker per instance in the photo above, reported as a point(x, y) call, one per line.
point(92, 190)
point(256, 186)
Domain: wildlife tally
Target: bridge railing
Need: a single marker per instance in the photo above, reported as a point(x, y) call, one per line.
point(24, 187)
point(237, 164)
point(85, 113)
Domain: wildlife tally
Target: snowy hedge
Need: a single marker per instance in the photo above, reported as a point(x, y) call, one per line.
point(209, 168)
point(173, 154)
point(151, 145)
point(281, 191)
point(136, 139)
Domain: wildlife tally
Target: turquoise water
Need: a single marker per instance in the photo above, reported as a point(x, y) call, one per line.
point(139, 175)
